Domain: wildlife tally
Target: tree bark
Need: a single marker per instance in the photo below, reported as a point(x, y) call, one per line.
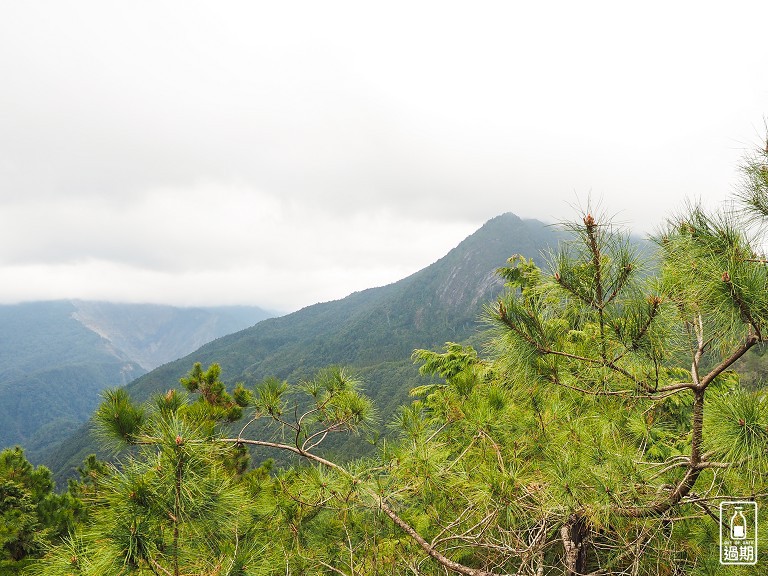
point(574, 535)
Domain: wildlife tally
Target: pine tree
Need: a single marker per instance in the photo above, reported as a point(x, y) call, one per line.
point(601, 426)
point(32, 515)
point(172, 505)
point(594, 432)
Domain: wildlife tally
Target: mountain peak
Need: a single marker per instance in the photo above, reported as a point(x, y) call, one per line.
point(373, 331)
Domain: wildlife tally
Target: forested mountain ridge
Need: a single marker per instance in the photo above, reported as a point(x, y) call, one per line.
point(373, 331)
point(384, 324)
point(55, 357)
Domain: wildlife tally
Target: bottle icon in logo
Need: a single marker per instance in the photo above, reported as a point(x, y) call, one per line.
point(738, 525)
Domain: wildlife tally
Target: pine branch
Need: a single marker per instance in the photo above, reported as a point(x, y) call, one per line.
point(751, 340)
point(155, 566)
point(655, 302)
point(658, 508)
point(430, 550)
point(743, 308)
point(691, 475)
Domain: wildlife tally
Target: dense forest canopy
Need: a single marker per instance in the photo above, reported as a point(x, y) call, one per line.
point(595, 430)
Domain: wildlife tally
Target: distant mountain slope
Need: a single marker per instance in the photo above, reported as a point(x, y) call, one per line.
point(374, 331)
point(51, 371)
point(152, 334)
point(55, 357)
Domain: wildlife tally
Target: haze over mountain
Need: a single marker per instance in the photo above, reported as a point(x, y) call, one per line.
point(373, 331)
point(152, 334)
point(55, 357)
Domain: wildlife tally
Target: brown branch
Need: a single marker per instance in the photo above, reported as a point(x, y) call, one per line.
point(658, 508)
point(465, 536)
point(251, 421)
point(675, 387)
point(431, 551)
point(289, 448)
point(453, 524)
point(336, 427)
point(593, 392)
point(691, 474)
point(678, 462)
point(318, 408)
point(651, 393)
point(156, 566)
point(697, 428)
point(705, 465)
point(751, 340)
point(331, 568)
point(701, 503)
point(572, 356)
point(599, 303)
point(607, 363)
point(399, 522)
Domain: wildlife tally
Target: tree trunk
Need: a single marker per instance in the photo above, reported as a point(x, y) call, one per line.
point(574, 534)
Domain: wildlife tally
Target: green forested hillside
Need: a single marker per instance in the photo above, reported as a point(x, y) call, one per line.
point(374, 331)
point(51, 371)
point(56, 357)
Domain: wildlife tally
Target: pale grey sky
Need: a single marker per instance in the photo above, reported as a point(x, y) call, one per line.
point(285, 153)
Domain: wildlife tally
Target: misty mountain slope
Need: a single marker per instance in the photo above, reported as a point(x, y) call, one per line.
point(374, 331)
point(51, 370)
point(56, 357)
point(152, 334)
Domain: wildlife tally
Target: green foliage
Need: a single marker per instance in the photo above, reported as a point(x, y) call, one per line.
point(753, 192)
point(119, 419)
point(737, 425)
point(173, 505)
point(19, 522)
point(213, 393)
point(338, 402)
point(31, 514)
point(269, 394)
point(455, 360)
point(315, 408)
point(603, 406)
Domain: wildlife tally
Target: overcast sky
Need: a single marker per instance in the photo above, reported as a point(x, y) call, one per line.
point(285, 153)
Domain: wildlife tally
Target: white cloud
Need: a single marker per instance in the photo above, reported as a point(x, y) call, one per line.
point(160, 142)
point(210, 244)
